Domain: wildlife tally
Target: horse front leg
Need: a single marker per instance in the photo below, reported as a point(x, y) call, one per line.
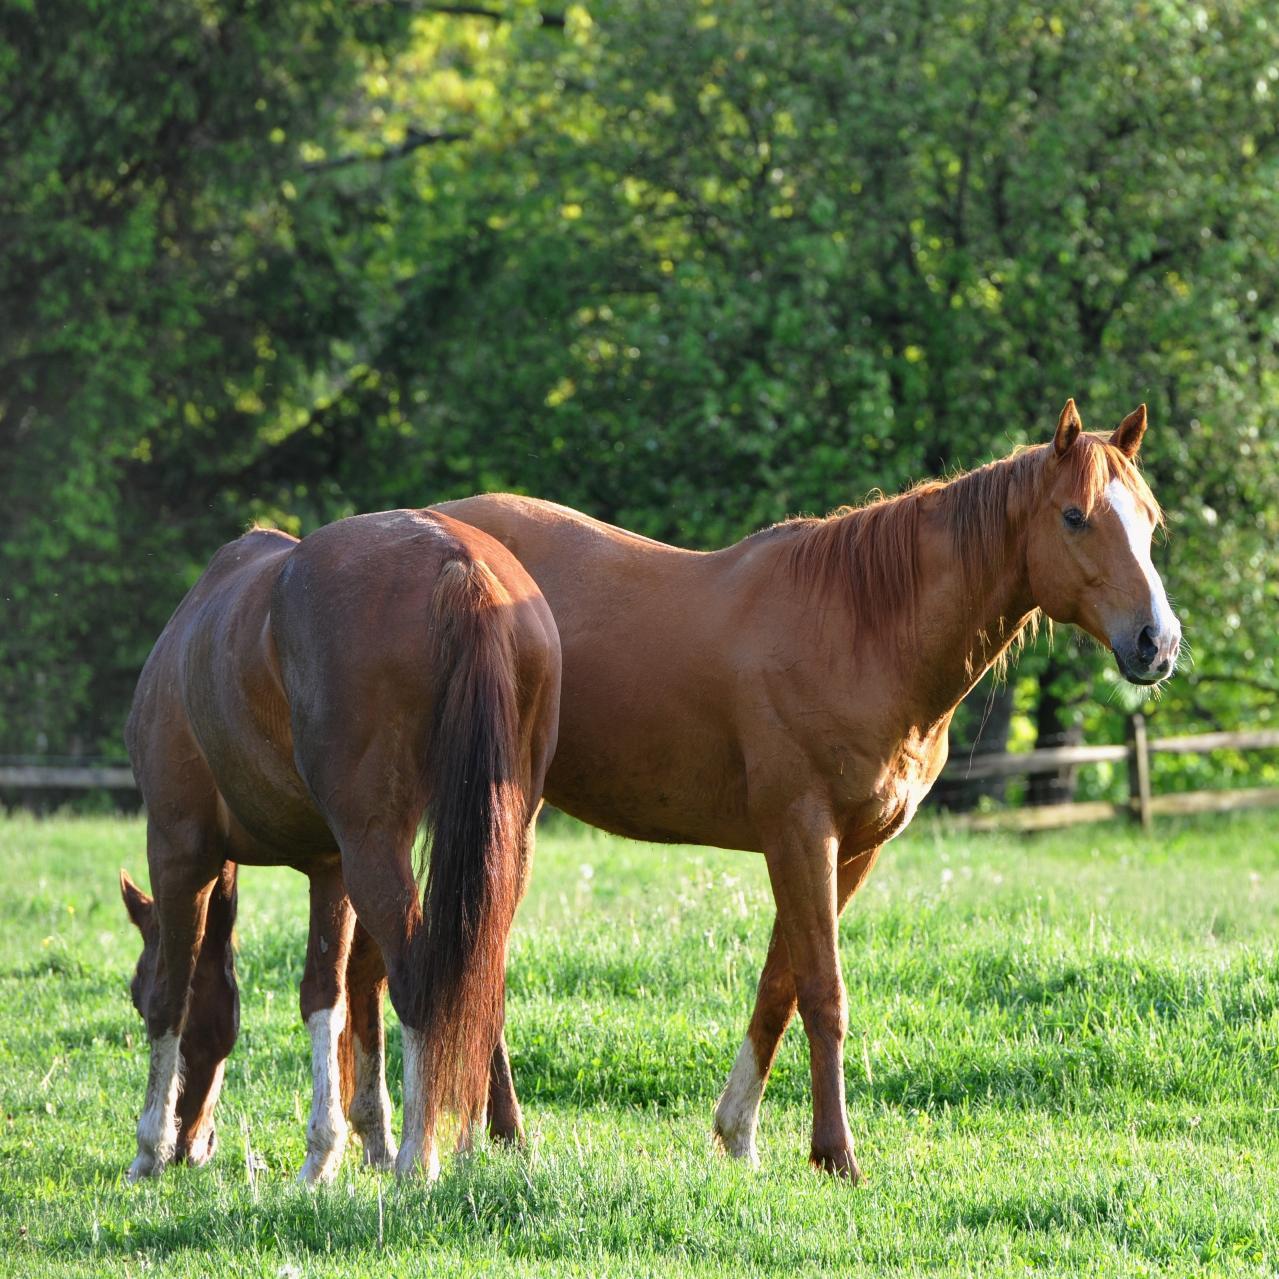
point(505, 1119)
point(324, 1010)
point(369, 1107)
point(737, 1111)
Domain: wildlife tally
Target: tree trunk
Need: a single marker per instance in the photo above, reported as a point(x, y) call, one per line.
point(982, 730)
point(1053, 728)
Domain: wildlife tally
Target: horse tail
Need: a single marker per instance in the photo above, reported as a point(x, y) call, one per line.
point(474, 819)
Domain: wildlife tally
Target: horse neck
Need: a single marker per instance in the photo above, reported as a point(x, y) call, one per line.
point(966, 621)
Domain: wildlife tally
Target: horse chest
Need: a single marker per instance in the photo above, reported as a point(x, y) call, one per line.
point(891, 794)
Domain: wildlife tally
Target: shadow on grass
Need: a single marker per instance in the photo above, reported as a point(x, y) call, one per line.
point(501, 1203)
point(1126, 1211)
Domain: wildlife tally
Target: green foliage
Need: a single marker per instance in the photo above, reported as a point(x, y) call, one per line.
point(689, 266)
point(1061, 1061)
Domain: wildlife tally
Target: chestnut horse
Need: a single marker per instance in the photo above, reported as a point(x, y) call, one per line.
point(790, 695)
point(312, 704)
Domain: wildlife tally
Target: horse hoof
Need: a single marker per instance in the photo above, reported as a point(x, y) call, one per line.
point(840, 1163)
point(736, 1145)
point(199, 1150)
point(513, 1138)
point(142, 1167)
point(379, 1155)
point(319, 1168)
point(409, 1166)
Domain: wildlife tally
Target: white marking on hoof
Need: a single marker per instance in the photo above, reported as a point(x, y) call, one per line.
point(737, 1111)
point(410, 1165)
point(415, 1158)
point(158, 1125)
point(326, 1129)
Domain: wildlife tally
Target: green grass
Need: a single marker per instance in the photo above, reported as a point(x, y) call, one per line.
point(1064, 1058)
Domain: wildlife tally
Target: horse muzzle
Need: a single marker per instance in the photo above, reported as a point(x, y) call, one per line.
point(1150, 655)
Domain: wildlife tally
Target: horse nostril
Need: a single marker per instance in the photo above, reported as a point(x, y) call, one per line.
point(1147, 647)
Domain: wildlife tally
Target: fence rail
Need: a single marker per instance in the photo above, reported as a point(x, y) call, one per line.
point(1141, 805)
point(67, 777)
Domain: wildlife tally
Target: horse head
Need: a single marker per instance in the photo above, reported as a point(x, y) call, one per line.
point(1088, 547)
point(213, 1013)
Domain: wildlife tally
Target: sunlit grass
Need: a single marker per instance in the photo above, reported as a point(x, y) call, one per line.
point(1064, 1057)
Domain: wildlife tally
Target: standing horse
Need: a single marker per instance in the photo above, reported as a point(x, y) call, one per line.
point(312, 704)
point(790, 695)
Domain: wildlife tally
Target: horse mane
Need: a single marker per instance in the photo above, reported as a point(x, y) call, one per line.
point(869, 555)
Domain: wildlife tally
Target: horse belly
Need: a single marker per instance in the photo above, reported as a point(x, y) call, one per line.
point(645, 781)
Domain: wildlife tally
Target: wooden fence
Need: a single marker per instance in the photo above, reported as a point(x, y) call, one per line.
point(1141, 805)
point(77, 776)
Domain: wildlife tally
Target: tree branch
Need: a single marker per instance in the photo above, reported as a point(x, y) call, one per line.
point(468, 11)
point(413, 141)
point(1244, 681)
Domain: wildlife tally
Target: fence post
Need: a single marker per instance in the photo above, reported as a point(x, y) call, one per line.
point(1138, 771)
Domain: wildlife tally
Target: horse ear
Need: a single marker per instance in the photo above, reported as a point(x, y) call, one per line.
point(136, 902)
point(1127, 436)
point(1068, 427)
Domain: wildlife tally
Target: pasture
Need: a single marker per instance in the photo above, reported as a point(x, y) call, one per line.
point(1063, 1058)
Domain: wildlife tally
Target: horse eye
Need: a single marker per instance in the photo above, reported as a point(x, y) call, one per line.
point(1074, 517)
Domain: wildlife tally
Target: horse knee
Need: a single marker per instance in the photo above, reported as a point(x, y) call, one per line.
point(824, 1010)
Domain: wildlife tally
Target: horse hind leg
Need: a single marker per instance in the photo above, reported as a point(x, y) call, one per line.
point(377, 867)
point(324, 1010)
point(182, 875)
point(364, 1052)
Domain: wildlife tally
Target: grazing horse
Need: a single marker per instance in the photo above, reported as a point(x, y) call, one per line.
point(790, 695)
point(312, 704)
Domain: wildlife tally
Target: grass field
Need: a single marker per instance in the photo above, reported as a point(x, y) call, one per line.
point(1064, 1058)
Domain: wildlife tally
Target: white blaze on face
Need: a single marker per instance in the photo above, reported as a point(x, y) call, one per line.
point(326, 1130)
point(1139, 530)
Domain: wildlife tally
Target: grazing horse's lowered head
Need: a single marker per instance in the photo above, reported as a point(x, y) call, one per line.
point(214, 1018)
point(1088, 548)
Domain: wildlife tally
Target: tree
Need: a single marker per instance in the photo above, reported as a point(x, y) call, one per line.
point(690, 266)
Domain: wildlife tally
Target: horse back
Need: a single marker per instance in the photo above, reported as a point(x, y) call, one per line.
point(208, 721)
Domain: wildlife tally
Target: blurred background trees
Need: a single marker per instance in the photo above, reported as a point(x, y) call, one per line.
point(688, 266)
